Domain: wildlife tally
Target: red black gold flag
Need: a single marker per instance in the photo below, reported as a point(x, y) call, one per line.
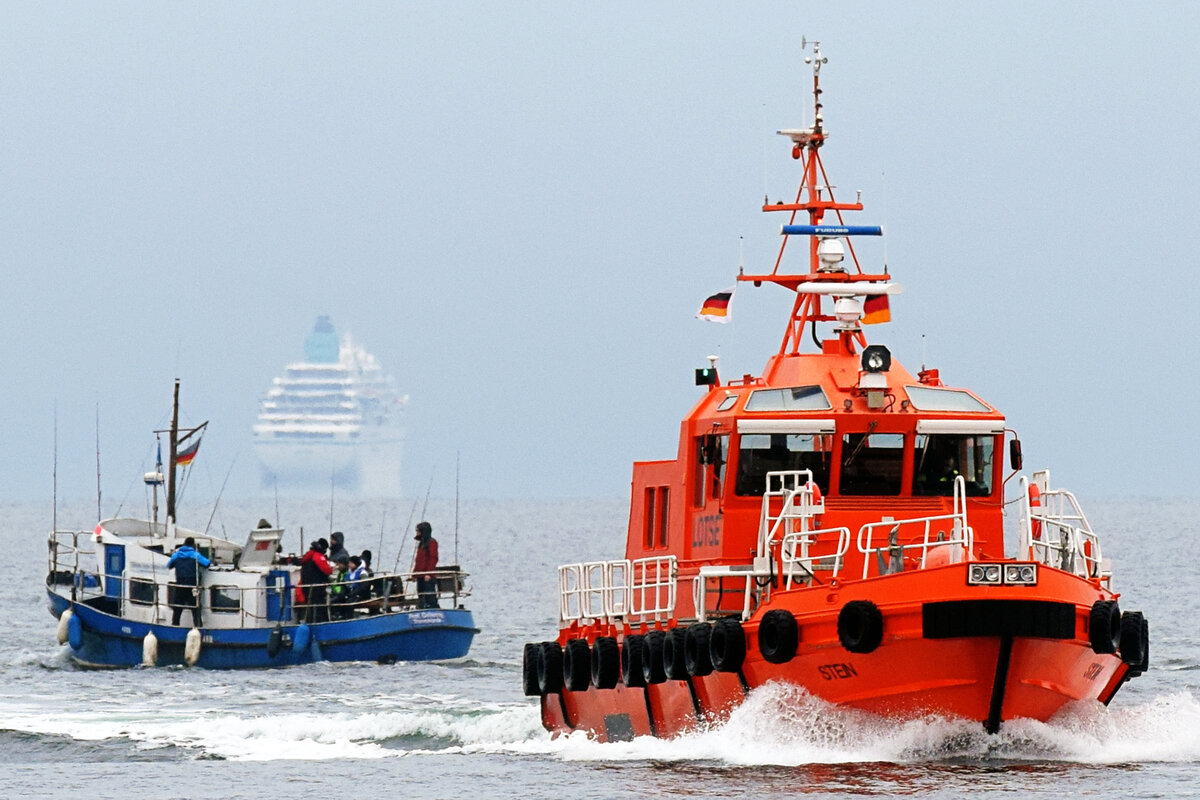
point(876, 309)
point(716, 308)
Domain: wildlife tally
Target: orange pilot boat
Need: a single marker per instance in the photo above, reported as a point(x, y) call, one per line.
point(836, 523)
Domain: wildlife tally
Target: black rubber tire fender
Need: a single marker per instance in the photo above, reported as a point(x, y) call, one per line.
point(633, 655)
point(1104, 627)
point(606, 662)
point(695, 649)
point(1133, 643)
point(577, 665)
point(529, 670)
point(550, 668)
point(727, 645)
point(860, 626)
point(652, 658)
point(778, 636)
point(674, 654)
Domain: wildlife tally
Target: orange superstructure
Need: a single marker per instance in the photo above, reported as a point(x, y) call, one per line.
point(837, 523)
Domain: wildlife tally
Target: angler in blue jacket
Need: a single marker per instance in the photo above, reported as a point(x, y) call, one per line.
point(186, 561)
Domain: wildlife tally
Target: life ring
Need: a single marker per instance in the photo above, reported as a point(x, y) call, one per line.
point(149, 650)
point(695, 650)
point(860, 626)
point(275, 641)
point(727, 645)
point(816, 501)
point(778, 636)
point(606, 662)
point(653, 671)
point(674, 654)
point(1104, 627)
point(1133, 642)
point(633, 655)
point(576, 665)
point(548, 678)
point(1035, 507)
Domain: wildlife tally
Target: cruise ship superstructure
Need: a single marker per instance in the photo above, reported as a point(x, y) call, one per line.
point(335, 416)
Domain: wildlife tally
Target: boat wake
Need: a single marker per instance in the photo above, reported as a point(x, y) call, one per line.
point(783, 725)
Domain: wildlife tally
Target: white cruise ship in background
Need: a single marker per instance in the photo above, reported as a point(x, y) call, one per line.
point(335, 416)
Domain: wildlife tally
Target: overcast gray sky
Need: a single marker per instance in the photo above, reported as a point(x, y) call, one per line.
point(518, 208)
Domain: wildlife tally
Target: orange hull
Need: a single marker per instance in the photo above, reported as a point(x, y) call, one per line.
point(913, 671)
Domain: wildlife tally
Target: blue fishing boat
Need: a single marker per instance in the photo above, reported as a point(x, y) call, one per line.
point(118, 605)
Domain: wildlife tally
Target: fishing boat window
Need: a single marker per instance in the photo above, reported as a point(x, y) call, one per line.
point(924, 398)
point(796, 398)
point(760, 453)
point(141, 591)
point(940, 458)
point(728, 403)
point(224, 599)
point(872, 463)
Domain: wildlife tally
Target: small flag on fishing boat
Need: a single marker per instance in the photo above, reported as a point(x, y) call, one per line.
point(876, 309)
point(716, 308)
point(187, 454)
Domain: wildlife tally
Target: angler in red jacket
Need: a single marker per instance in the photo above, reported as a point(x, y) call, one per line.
point(314, 574)
point(424, 566)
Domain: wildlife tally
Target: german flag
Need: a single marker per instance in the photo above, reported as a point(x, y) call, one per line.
point(876, 310)
point(187, 454)
point(716, 308)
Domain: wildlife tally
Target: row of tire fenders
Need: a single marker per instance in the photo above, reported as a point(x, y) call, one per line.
point(702, 648)
point(680, 653)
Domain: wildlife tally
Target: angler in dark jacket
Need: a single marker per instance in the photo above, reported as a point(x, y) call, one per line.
point(186, 561)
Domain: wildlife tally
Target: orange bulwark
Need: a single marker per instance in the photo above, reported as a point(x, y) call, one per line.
point(836, 523)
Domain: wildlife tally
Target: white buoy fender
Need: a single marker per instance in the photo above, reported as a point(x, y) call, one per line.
point(75, 632)
point(64, 624)
point(150, 650)
point(191, 647)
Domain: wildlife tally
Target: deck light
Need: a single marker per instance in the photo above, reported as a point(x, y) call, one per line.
point(1020, 574)
point(984, 574)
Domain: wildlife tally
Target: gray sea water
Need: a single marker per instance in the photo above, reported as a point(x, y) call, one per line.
point(449, 729)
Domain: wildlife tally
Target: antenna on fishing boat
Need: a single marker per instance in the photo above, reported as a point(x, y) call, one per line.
point(155, 479)
point(456, 471)
point(54, 476)
point(98, 513)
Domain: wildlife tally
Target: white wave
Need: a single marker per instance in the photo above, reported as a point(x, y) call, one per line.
point(308, 735)
point(783, 725)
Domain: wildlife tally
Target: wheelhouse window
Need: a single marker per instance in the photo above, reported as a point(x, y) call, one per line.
point(925, 398)
point(872, 463)
point(141, 591)
point(795, 398)
point(941, 457)
point(711, 455)
point(224, 599)
point(656, 513)
point(760, 453)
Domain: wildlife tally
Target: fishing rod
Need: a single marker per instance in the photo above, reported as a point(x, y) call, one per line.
point(217, 502)
point(408, 526)
point(331, 473)
point(456, 473)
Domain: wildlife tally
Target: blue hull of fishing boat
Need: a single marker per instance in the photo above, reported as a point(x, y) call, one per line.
point(105, 640)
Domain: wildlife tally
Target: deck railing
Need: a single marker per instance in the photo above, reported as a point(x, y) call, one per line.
point(635, 590)
point(926, 539)
point(75, 572)
point(1056, 532)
